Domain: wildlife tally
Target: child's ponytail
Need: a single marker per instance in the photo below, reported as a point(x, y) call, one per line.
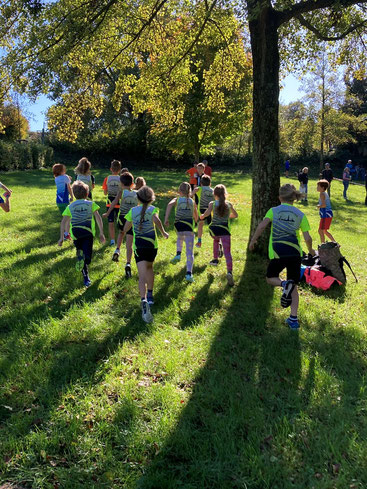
point(185, 189)
point(220, 192)
point(146, 197)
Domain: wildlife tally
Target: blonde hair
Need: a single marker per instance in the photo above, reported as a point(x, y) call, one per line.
point(305, 168)
point(201, 165)
point(289, 193)
point(185, 189)
point(146, 197)
point(83, 167)
point(139, 183)
point(220, 191)
point(80, 189)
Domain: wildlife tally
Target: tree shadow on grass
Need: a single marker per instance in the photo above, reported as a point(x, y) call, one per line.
point(229, 413)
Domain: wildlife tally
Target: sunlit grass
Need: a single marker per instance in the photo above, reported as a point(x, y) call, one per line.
point(216, 393)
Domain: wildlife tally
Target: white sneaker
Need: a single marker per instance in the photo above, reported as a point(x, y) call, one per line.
point(230, 279)
point(145, 312)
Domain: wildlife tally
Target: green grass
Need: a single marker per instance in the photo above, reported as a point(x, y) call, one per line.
point(216, 393)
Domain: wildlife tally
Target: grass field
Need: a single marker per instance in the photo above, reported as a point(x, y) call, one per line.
point(217, 393)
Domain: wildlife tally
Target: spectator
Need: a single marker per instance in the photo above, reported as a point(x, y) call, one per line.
point(327, 174)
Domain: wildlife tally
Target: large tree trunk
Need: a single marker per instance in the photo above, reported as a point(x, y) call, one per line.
point(265, 55)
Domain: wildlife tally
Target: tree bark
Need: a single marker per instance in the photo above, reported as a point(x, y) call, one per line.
point(265, 55)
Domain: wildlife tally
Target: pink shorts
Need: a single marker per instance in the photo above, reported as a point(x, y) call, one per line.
point(325, 223)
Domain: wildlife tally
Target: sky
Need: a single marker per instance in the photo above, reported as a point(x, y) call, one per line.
point(36, 112)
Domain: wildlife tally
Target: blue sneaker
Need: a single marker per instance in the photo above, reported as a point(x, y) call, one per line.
point(189, 277)
point(292, 323)
point(176, 259)
point(286, 298)
point(87, 281)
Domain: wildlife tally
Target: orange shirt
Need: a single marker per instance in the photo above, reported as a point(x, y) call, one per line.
point(193, 175)
point(208, 171)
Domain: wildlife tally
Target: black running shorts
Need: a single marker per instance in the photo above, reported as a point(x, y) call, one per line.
point(292, 264)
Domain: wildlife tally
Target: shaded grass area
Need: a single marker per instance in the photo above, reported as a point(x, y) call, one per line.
point(216, 393)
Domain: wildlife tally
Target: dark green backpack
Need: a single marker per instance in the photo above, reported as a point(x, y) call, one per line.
point(331, 258)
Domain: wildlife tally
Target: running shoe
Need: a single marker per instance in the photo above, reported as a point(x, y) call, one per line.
point(292, 323)
point(150, 299)
point(128, 270)
point(87, 281)
point(220, 254)
point(145, 312)
point(79, 265)
point(116, 255)
point(286, 299)
point(230, 279)
point(176, 259)
point(189, 278)
point(198, 244)
point(112, 242)
point(214, 263)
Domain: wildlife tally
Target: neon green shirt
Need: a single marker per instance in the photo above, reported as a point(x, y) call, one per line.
point(81, 213)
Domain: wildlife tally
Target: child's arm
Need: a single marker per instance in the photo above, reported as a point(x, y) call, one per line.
point(233, 214)
point(168, 211)
point(208, 211)
point(196, 216)
point(259, 230)
point(113, 203)
point(6, 205)
point(99, 222)
point(195, 191)
point(323, 201)
point(5, 188)
point(70, 192)
point(64, 226)
point(308, 241)
point(93, 181)
point(159, 225)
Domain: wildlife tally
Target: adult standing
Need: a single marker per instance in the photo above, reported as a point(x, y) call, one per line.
point(327, 174)
point(346, 179)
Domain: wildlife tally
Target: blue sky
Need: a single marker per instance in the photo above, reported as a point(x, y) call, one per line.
point(36, 112)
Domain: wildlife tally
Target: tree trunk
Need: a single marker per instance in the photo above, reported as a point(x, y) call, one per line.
point(265, 54)
point(322, 134)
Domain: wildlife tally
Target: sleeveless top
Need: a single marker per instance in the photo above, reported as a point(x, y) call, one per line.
point(326, 211)
point(113, 187)
point(205, 195)
point(220, 224)
point(145, 235)
point(87, 179)
point(129, 199)
point(82, 220)
point(184, 214)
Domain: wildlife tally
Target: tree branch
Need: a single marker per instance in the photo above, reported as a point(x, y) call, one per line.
point(197, 37)
point(321, 36)
point(311, 5)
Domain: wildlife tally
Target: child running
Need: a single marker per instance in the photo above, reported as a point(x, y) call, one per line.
point(84, 175)
point(223, 211)
point(205, 195)
point(111, 187)
point(64, 194)
point(143, 219)
point(80, 216)
point(185, 215)
point(325, 211)
point(129, 200)
point(139, 182)
point(5, 204)
point(284, 247)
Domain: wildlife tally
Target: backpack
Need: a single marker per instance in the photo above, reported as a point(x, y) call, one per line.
point(331, 258)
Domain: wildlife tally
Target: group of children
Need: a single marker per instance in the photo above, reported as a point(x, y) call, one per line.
point(130, 204)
